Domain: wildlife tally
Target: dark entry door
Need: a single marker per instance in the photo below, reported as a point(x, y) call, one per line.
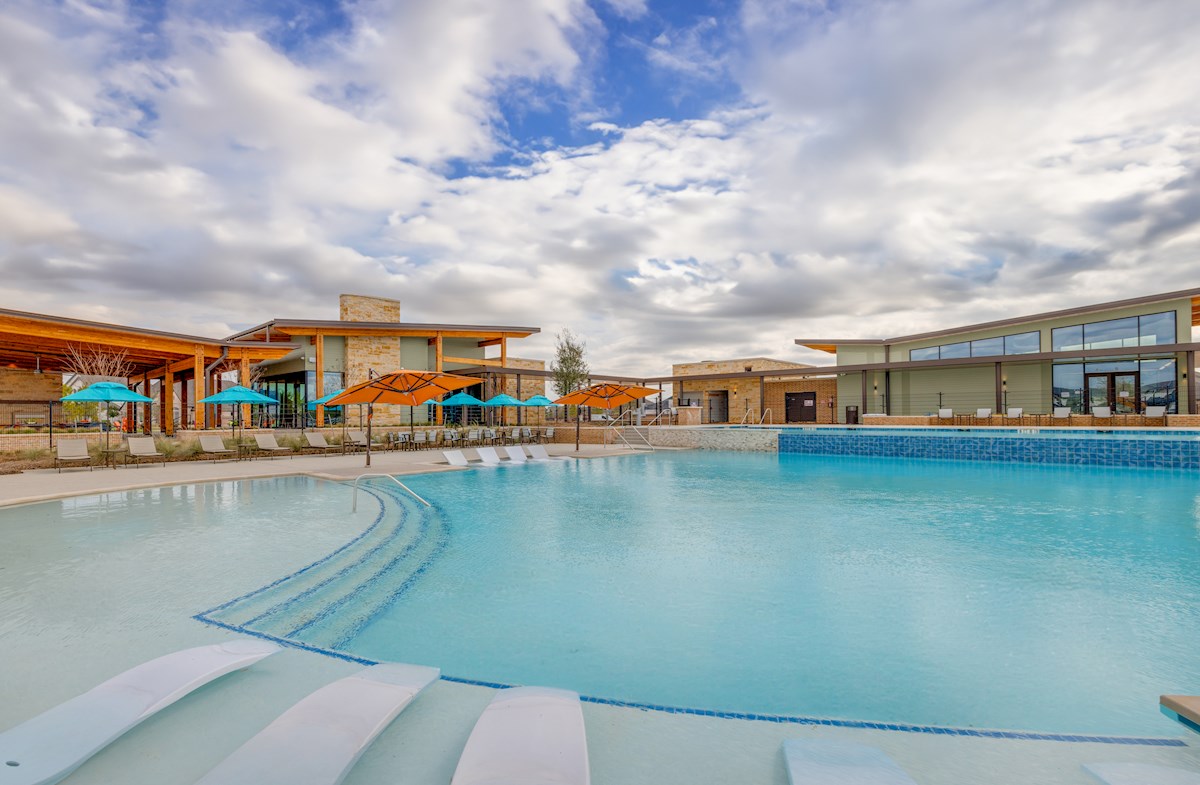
point(800, 406)
point(718, 406)
point(1121, 391)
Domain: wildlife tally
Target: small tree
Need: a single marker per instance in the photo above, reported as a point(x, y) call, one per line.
point(570, 370)
point(79, 410)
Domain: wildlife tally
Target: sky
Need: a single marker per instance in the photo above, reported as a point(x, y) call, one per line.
point(673, 181)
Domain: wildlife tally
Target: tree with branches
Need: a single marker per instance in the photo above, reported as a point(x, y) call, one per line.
point(570, 370)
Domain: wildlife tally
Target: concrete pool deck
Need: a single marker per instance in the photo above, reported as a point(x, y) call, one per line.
point(92, 607)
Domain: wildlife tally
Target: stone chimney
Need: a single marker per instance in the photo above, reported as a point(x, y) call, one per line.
point(361, 308)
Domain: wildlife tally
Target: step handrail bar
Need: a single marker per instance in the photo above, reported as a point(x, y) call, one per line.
point(354, 498)
point(611, 428)
point(766, 414)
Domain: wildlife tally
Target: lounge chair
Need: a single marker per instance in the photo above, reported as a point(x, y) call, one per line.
point(1140, 774)
point(50, 746)
point(488, 456)
point(1155, 413)
point(514, 436)
point(214, 445)
point(1061, 413)
point(265, 442)
point(316, 441)
point(419, 439)
point(944, 415)
point(141, 448)
point(1102, 413)
point(72, 452)
point(515, 454)
point(982, 414)
point(527, 734)
point(547, 435)
point(472, 437)
point(538, 453)
point(817, 762)
point(526, 435)
point(455, 458)
point(1014, 413)
point(318, 741)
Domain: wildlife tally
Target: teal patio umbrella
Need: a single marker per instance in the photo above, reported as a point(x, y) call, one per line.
point(503, 399)
point(539, 401)
point(312, 406)
point(459, 399)
point(106, 392)
point(238, 395)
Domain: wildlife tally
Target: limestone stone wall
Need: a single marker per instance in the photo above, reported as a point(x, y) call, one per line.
point(826, 390)
point(744, 393)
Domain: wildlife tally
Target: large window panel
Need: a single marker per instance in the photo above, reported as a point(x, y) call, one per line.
point(1065, 339)
point(1023, 343)
point(987, 347)
point(1112, 334)
point(923, 354)
point(1157, 329)
point(952, 350)
point(1068, 386)
point(1160, 386)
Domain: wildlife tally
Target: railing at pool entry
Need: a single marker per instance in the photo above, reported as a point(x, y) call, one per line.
point(354, 498)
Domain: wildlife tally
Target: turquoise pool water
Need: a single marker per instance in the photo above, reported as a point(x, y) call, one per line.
point(1042, 598)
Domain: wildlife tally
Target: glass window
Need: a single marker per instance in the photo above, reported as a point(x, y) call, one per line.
point(987, 347)
point(951, 350)
point(1157, 329)
point(1159, 384)
point(1023, 343)
point(1065, 339)
point(1068, 386)
point(924, 354)
point(1111, 334)
point(1112, 366)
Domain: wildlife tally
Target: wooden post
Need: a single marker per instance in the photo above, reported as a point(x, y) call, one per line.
point(437, 366)
point(147, 407)
point(200, 392)
point(183, 403)
point(504, 381)
point(319, 384)
point(167, 402)
point(244, 380)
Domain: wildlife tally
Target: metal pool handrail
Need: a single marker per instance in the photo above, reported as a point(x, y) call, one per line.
point(354, 499)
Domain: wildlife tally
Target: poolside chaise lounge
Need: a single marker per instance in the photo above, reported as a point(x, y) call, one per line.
point(1155, 413)
point(1102, 413)
point(515, 454)
point(945, 414)
point(50, 746)
point(1014, 413)
point(982, 414)
point(488, 455)
point(71, 451)
point(538, 453)
point(359, 439)
point(318, 741)
point(1061, 413)
point(818, 762)
point(1140, 774)
point(455, 458)
point(214, 445)
point(527, 735)
point(316, 441)
point(141, 448)
point(265, 442)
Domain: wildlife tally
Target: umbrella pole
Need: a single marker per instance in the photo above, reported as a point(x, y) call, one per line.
point(370, 416)
point(578, 419)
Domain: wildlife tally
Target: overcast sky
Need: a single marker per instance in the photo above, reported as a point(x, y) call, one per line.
point(674, 181)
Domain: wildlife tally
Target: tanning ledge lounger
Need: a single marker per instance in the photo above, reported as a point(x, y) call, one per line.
point(527, 735)
point(455, 457)
point(318, 741)
point(488, 455)
point(1140, 774)
point(814, 762)
point(50, 746)
point(515, 454)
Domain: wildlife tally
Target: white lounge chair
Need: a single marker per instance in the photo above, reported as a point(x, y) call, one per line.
point(515, 454)
point(527, 735)
point(141, 448)
point(1061, 413)
point(214, 445)
point(265, 442)
point(1155, 413)
point(488, 455)
point(1102, 413)
point(982, 414)
point(945, 414)
point(817, 762)
point(51, 745)
point(318, 741)
point(455, 458)
point(1014, 413)
point(71, 451)
point(1140, 774)
point(538, 453)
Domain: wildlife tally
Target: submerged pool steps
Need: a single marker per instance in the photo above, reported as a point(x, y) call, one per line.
point(365, 576)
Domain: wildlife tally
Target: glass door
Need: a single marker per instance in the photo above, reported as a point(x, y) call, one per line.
point(1121, 391)
point(1097, 390)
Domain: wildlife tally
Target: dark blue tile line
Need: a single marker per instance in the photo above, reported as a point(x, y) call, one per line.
point(749, 716)
point(302, 570)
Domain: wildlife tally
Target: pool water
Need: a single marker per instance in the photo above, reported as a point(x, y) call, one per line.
point(1059, 599)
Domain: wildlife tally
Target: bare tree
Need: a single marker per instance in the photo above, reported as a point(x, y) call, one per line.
point(97, 363)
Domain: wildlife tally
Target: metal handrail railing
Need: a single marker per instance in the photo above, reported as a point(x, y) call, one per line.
point(766, 415)
point(354, 498)
point(611, 427)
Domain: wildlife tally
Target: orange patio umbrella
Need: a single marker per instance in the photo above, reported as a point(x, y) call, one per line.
point(406, 388)
point(603, 396)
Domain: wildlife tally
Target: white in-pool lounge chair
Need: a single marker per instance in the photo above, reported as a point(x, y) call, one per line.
point(527, 735)
point(71, 451)
point(214, 445)
point(488, 455)
point(1140, 774)
point(318, 741)
point(515, 454)
point(53, 744)
point(455, 458)
point(538, 453)
point(817, 762)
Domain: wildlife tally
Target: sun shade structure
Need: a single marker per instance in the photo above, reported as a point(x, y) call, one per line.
point(603, 396)
point(106, 392)
point(406, 388)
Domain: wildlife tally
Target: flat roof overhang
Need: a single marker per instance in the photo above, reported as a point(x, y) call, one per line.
point(286, 328)
point(32, 341)
point(830, 345)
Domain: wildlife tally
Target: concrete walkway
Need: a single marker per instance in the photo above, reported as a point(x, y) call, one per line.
point(45, 484)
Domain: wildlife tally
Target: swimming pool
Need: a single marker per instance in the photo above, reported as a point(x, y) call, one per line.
point(921, 593)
